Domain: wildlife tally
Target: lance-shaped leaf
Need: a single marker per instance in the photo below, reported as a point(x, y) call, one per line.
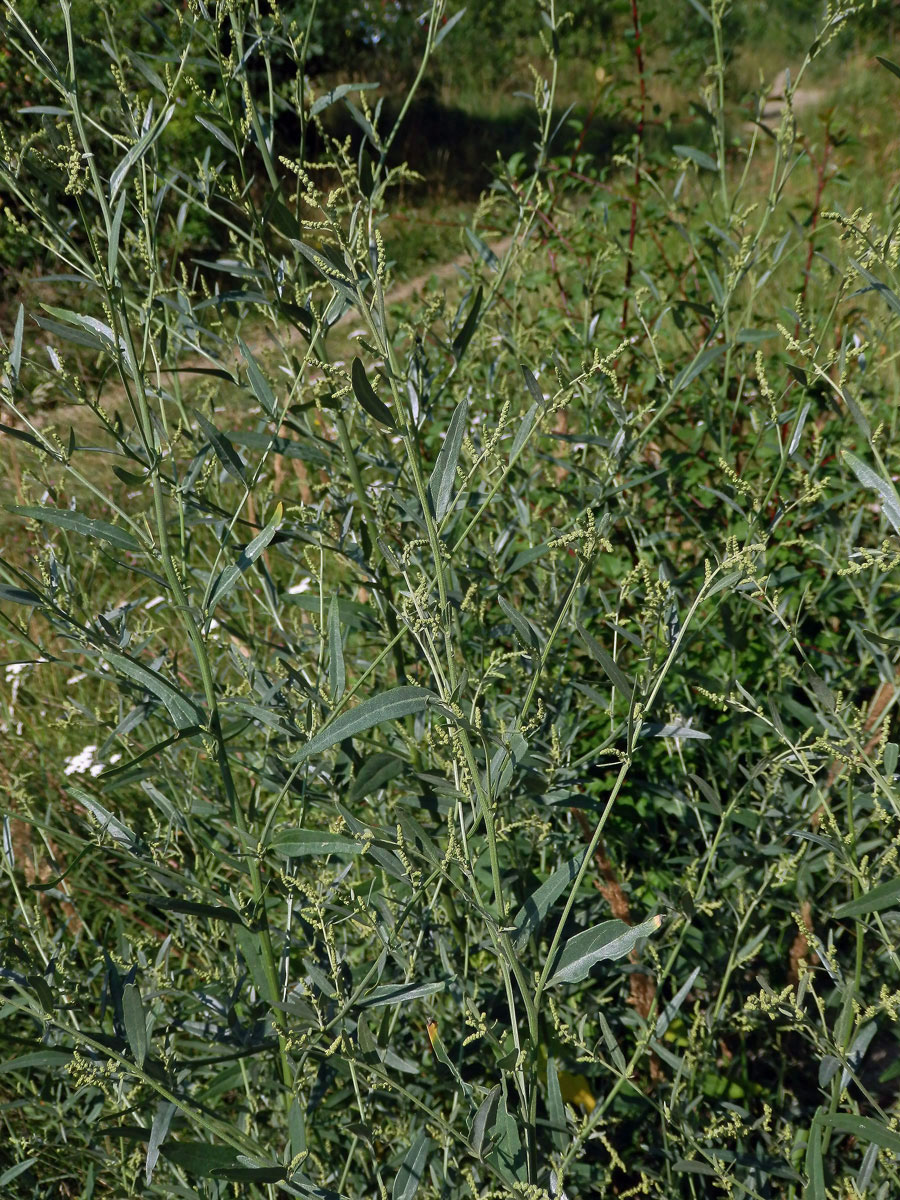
point(110, 824)
point(532, 913)
point(337, 677)
point(616, 675)
point(608, 940)
point(890, 501)
point(462, 339)
point(258, 382)
point(402, 993)
point(528, 633)
point(876, 899)
point(365, 394)
point(388, 706)
point(184, 713)
point(135, 1022)
point(410, 1174)
point(303, 843)
point(77, 522)
point(440, 485)
point(15, 353)
point(337, 93)
point(251, 552)
point(138, 150)
point(224, 450)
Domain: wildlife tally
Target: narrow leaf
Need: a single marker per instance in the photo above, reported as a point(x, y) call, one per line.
point(556, 1109)
point(135, 1022)
point(365, 394)
point(700, 157)
point(222, 138)
point(523, 433)
point(380, 997)
point(337, 93)
point(462, 339)
point(671, 1010)
point(336, 674)
point(15, 354)
point(222, 447)
point(251, 552)
point(138, 150)
point(440, 486)
point(532, 913)
point(115, 233)
point(891, 66)
point(388, 706)
point(484, 1119)
point(689, 373)
point(259, 383)
point(876, 899)
point(77, 522)
point(158, 1131)
point(868, 478)
point(609, 940)
point(869, 1129)
point(445, 29)
point(617, 676)
point(523, 627)
point(116, 829)
point(302, 843)
point(411, 1172)
point(184, 713)
point(533, 387)
point(19, 595)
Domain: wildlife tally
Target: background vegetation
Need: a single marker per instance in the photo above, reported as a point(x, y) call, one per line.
point(448, 597)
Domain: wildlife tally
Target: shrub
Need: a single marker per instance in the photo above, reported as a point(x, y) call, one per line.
point(454, 739)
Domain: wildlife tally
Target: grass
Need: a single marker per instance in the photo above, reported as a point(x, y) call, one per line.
point(469, 770)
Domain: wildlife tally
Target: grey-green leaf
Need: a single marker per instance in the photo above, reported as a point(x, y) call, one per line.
point(223, 449)
point(868, 1128)
point(76, 522)
point(138, 150)
point(302, 843)
point(158, 1131)
point(532, 913)
point(337, 93)
point(608, 940)
point(411, 1172)
point(365, 394)
point(135, 1022)
point(890, 501)
point(671, 1010)
point(337, 677)
point(116, 829)
point(440, 485)
point(876, 899)
point(484, 1118)
point(700, 157)
point(402, 993)
point(556, 1110)
point(184, 713)
point(259, 383)
point(527, 633)
point(15, 354)
point(391, 705)
point(251, 552)
point(462, 339)
point(617, 676)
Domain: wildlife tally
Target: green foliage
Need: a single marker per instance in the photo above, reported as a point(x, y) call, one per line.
point(452, 743)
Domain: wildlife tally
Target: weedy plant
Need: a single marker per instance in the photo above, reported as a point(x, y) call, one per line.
point(460, 764)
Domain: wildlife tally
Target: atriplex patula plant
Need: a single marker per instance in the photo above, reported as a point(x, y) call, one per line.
point(430, 649)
